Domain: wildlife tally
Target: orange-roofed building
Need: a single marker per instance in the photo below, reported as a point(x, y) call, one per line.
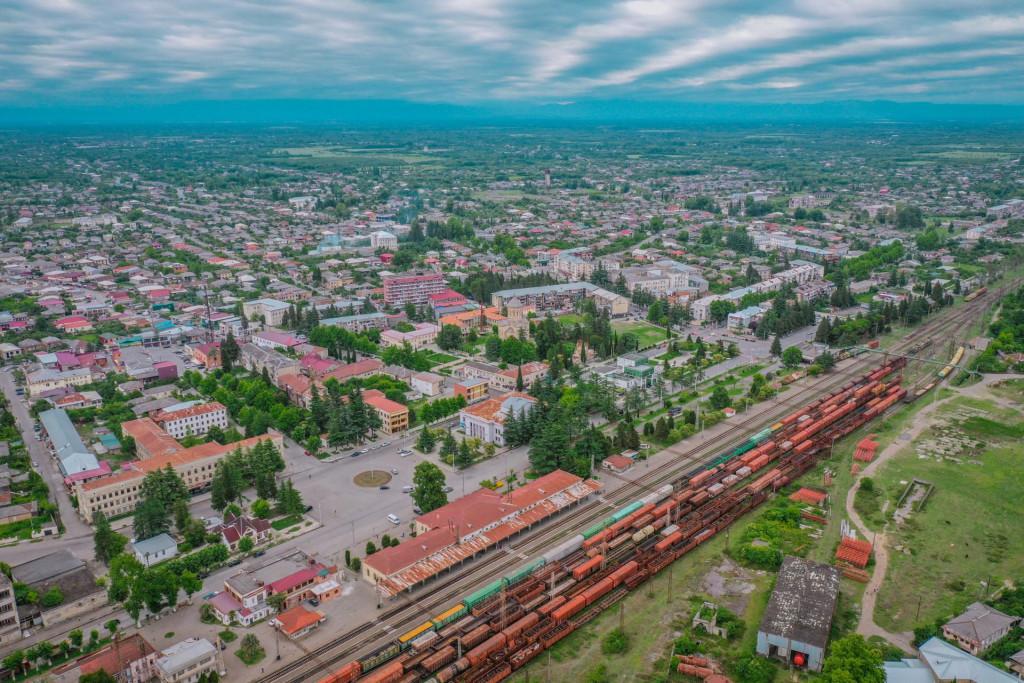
point(394, 417)
point(469, 526)
point(298, 621)
point(473, 320)
point(130, 658)
point(119, 493)
point(486, 420)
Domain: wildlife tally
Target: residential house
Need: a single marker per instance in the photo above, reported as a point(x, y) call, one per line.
point(186, 661)
point(155, 549)
point(978, 628)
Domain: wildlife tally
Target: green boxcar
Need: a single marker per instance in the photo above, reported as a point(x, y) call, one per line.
point(524, 571)
point(597, 528)
point(632, 507)
point(487, 591)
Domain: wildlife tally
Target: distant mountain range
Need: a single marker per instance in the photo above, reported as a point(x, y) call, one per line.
point(394, 113)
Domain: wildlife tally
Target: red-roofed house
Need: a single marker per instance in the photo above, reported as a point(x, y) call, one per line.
point(298, 621)
point(270, 339)
point(73, 323)
point(363, 368)
point(235, 528)
point(129, 658)
point(207, 355)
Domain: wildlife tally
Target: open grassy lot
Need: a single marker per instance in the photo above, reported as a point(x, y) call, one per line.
point(438, 358)
point(968, 533)
point(648, 334)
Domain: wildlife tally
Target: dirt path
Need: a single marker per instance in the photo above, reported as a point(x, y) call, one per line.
point(867, 626)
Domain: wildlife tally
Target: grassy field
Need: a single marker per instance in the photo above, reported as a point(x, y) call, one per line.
point(438, 358)
point(968, 534)
point(648, 334)
point(570, 318)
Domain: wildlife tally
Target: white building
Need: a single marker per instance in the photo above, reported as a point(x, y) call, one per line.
point(192, 419)
point(382, 239)
point(186, 661)
point(423, 335)
point(486, 420)
point(271, 310)
point(156, 549)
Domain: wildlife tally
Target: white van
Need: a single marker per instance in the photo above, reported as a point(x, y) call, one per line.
point(394, 519)
point(408, 489)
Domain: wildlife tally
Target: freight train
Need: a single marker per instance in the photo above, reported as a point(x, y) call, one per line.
point(940, 375)
point(971, 296)
point(504, 625)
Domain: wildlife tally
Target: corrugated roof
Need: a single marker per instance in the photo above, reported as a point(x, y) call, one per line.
point(482, 519)
point(72, 455)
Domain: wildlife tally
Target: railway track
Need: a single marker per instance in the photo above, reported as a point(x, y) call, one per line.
point(398, 618)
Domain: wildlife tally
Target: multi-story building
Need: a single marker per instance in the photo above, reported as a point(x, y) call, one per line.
point(559, 298)
point(297, 577)
point(119, 493)
point(415, 289)
point(49, 379)
point(10, 627)
point(423, 335)
point(358, 323)
point(194, 420)
point(472, 389)
point(382, 239)
point(508, 379)
point(271, 310)
point(486, 420)
point(575, 264)
point(186, 661)
point(257, 359)
point(394, 417)
point(799, 274)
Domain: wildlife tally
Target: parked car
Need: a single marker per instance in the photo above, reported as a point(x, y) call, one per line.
point(448, 489)
point(384, 487)
point(405, 452)
point(314, 602)
point(394, 470)
point(259, 553)
point(408, 488)
point(393, 518)
point(355, 454)
point(235, 562)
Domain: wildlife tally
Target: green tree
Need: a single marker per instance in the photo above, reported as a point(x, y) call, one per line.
point(190, 583)
point(229, 352)
point(851, 659)
point(150, 519)
point(449, 338)
point(428, 487)
point(464, 455)
point(720, 398)
point(107, 542)
point(52, 597)
point(425, 442)
point(776, 349)
point(289, 501)
point(260, 508)
point(792, 357)
point(245, 544)
point(98, 676)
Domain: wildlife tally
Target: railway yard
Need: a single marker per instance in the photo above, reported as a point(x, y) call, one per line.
point(519, 610)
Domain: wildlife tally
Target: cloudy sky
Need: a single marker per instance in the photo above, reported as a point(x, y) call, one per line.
point(464, 51)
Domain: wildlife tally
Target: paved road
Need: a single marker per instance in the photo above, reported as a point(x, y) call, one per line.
point(40, 455)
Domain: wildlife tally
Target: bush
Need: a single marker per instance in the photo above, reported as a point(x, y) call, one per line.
point(754, 669)
point(685, 645)
point(245, 544)
point(228, 636)
point(615, 643)
point(52, 597)
point(599, 674)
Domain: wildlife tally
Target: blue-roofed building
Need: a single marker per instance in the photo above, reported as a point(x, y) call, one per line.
point(72, 455)
point(939, 662)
